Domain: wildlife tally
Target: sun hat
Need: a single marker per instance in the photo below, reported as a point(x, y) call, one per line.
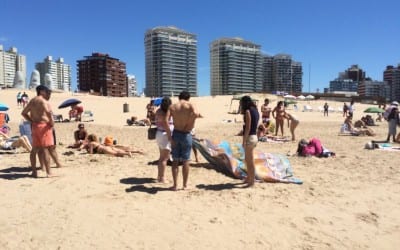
point(108, 140)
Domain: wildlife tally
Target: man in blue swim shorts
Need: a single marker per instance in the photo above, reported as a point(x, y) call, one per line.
point(184, 116)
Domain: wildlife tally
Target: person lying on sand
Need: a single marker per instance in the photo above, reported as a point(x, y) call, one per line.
point(348, 124)
point(8, 143)
point(95, 147)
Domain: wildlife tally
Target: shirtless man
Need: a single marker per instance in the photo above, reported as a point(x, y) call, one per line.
point(266, 112)
point(38, 112)
point(279, 114)
point(184, 116)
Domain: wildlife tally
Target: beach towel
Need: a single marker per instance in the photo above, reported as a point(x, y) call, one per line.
point(228, 158)
point(385, 146)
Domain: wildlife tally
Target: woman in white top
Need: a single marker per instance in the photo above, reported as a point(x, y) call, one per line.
point(161, 137)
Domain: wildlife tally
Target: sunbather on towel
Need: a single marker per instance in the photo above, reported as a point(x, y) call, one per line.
point(8, 143)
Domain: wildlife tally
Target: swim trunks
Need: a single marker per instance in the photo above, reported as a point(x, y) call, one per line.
point(182, 145)
point(42, 135)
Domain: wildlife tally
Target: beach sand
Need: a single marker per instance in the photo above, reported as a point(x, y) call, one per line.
point(351, 201)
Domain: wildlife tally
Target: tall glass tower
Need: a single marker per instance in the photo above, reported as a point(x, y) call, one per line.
point(171, 61)
point(236, 67)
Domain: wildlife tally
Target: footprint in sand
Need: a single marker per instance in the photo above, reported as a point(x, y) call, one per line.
point(370, 217)
point(311, 220)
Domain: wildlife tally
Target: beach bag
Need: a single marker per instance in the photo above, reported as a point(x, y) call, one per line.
point(151, 133)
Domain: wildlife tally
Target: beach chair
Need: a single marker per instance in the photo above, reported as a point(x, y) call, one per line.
point(307, 108)
point(25, 129)
point(87, 116)
point(4, 118)
point(58, 118)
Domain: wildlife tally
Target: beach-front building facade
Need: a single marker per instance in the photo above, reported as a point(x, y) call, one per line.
point(59, 72)
point(287, 75)
point(391, 76)
point(103, 75)
point(236, 67)
point(170, 61)
point(11, 62)
point(132, 85)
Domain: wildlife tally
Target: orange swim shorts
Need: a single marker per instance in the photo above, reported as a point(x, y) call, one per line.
point(42, 135)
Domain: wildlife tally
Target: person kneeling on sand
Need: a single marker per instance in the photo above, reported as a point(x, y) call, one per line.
point(80, 137)
point(95, 147)
point(313, 147)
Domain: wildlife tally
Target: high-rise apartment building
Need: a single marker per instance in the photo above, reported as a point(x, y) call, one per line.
point(11, 62)
point(102, 74)
point(267, 64)
point(391, 76)
point(132, 85)
point(287, 75)
point(60, 73)
point(171, 61)
point(236, 67)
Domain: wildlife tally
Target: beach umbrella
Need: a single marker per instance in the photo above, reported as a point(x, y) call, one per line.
point(69, 102)
point(310, 97)
point(301, 97)
point(157, 101)
point(375, 110)
point(290, 101)
point(289, 97)
point(3, 107)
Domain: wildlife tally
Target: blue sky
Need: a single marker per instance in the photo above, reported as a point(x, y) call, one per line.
point(325, 36)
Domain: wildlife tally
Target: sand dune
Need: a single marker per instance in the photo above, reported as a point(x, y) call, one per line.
point(351, 201)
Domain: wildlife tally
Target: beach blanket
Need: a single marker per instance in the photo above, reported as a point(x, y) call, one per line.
point(386, 147)
point(228, 158)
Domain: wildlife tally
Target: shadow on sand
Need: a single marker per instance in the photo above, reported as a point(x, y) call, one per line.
point(219, 187)
point(14, 173)
point(139, 187)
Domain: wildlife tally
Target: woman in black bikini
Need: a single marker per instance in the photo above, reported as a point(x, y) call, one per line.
point(94, 147)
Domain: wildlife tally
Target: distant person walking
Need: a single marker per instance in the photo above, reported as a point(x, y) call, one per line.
point(393, 122)
point(24, 99)
point(184, 116)
point(326, 109)
point(345, 109)
point(351, 108)
point(19, 99)
point(250, 139)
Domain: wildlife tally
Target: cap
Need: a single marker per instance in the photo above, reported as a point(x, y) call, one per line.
point(108, 141)
point(394, 103)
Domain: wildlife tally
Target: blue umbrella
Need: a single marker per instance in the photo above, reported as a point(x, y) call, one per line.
point(3, 107)
point(157, 101)
point(69, 102)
